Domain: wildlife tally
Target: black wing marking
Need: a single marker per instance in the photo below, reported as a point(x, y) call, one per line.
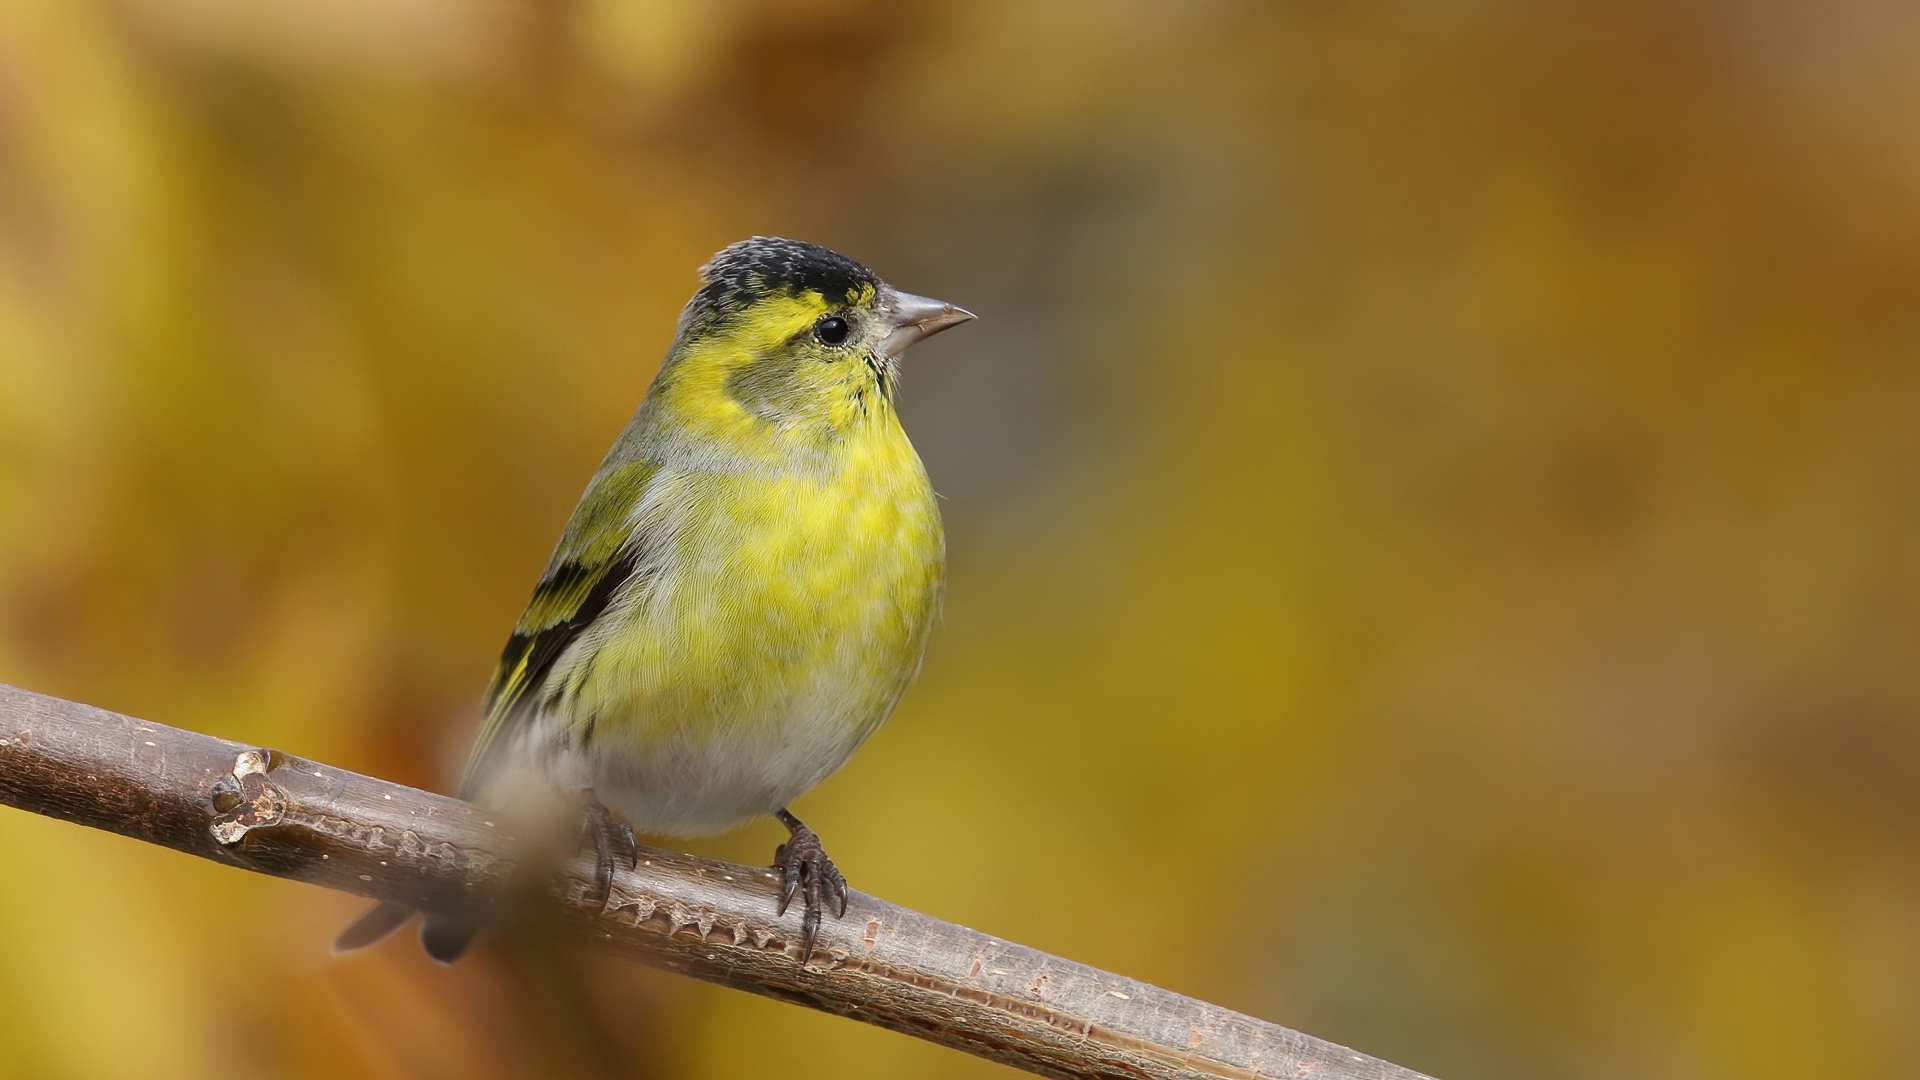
point(521, 679)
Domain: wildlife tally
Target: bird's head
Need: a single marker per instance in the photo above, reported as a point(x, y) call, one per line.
point(794, 335)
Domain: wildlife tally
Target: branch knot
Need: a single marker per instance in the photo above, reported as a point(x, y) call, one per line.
point(246, 799)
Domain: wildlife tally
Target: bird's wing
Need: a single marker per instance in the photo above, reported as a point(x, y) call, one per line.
point(599, 552)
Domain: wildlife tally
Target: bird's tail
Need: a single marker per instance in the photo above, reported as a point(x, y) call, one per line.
point(380, 920)
point(444, 937)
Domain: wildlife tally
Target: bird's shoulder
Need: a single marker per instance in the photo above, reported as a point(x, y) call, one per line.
point(601, 530)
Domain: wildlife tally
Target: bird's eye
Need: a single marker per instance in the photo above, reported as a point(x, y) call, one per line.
point(832, 330)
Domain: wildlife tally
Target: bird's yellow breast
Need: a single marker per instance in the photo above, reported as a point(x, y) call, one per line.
point(785, 615)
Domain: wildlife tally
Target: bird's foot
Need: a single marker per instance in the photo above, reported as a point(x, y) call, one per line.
point(611, 837)
point(805, 871)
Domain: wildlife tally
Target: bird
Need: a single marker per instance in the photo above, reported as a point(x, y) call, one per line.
point(743, 591)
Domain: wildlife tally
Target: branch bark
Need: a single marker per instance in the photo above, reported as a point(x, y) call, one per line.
point(273, 813)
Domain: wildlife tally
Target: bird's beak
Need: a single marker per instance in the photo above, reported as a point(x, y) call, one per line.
point(916, 317)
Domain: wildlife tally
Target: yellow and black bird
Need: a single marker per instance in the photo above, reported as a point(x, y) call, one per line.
point(745, 588)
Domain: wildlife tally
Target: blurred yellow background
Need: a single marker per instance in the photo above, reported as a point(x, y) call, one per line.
point(1434, 498)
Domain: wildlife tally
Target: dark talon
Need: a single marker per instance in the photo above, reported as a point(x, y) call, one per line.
point(610, 835)
point(624, 844)
point(805, 871)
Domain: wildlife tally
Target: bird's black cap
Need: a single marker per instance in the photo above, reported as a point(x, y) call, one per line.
point(751, 270)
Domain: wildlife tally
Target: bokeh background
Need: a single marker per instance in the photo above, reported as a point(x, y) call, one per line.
point(1434, 498)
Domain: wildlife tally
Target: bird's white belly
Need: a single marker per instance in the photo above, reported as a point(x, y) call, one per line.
point(697, 785)
point(704, 779)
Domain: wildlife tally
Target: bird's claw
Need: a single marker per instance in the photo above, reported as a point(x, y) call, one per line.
point(611, 837)
point(807, 872)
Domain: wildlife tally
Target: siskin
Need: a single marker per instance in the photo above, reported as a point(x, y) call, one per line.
point(744, 590)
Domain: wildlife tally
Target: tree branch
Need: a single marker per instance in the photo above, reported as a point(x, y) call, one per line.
point(272, 813)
